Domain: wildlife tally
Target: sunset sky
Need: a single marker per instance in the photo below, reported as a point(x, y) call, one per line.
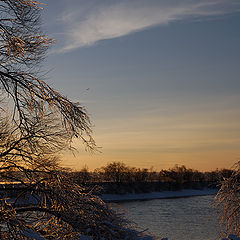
point(159, 78)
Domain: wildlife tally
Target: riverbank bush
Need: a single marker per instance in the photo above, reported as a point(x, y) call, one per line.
point(228, 199)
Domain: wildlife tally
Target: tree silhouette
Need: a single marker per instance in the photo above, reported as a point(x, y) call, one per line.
point(36, 123)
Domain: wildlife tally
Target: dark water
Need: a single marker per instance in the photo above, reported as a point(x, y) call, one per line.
point(192, 218)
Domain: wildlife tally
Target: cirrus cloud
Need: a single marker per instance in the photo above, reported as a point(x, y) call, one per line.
point(87, 23)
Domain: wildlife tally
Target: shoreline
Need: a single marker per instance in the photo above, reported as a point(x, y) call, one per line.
point(157, 195)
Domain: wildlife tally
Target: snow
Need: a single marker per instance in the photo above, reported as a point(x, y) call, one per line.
point(158, 195)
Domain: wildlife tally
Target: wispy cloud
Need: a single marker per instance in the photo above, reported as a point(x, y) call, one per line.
point(97, 20)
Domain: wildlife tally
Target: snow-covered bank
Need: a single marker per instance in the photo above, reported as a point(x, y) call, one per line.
point(158, 195)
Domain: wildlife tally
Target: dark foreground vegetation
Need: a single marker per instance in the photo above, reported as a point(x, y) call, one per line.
point(37, 123)
point(118, 178)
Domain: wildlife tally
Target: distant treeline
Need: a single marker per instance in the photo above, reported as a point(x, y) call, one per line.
point(117, 177)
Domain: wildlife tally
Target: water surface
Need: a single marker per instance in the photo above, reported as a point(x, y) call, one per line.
point(191, 218)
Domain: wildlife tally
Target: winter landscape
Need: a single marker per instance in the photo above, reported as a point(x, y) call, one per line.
point(119, 119)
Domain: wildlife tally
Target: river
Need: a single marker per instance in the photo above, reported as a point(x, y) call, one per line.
point(192, 218)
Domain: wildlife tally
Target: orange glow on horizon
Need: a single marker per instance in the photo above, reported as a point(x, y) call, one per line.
point(205, 161)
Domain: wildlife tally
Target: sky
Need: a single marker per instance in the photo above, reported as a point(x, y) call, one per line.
point(159, 79)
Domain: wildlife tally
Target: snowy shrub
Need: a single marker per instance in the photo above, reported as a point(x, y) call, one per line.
point(228, 199)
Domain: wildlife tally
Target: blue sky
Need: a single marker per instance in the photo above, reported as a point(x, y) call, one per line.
point(159, 78)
